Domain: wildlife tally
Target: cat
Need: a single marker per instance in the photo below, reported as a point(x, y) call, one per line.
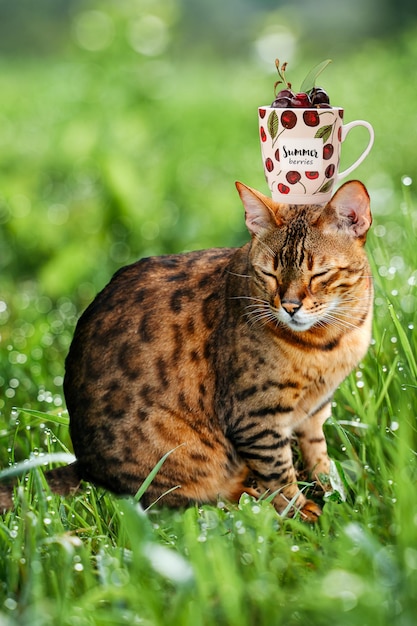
point(223, 356)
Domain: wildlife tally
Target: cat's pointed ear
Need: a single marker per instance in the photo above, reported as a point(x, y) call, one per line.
point(259, 214)
point(351, 202)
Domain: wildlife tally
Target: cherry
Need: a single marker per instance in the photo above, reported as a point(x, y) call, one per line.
point(283, 99)
point(283, 188)
point(277, 154)
point(312, 175)
point(318, 96)
point(269, 164)
point(339, 134)
point(262, 113)
point(328, 151)
point(263, 134)
point(281, 103)
point(311, 97)
point(285, 93)
point(329, 171)
point(311, 118)
point(301, 101)
point(293, 177)
point(288, 119)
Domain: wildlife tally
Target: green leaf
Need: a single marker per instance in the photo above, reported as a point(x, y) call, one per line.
point(273, 124)
point(324, 132)
point(338, 482)
point(326, 186)
point(310, 80)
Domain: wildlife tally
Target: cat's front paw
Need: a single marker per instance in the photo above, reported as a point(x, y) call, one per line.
point(310, 512)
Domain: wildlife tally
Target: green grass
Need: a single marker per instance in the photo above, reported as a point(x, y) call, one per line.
point(109, 156)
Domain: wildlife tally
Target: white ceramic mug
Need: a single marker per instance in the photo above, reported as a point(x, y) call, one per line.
point(301, 152)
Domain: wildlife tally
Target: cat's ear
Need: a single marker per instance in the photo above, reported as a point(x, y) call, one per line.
point(259, 214)
point(351, 203)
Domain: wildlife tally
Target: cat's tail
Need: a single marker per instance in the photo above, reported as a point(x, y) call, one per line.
point(61, 480)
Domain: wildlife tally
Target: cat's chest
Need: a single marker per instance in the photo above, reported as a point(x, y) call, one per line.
point(294, 381)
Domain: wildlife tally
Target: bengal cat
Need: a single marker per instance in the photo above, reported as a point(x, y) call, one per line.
point(223, 356)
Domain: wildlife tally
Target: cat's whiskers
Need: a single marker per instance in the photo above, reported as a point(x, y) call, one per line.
point(357, 310)
point(337, 321)
point(261, 314)
point(258, 311)
point(248, 298)
point(352, 311)
point(352, 304)
point(238, 275)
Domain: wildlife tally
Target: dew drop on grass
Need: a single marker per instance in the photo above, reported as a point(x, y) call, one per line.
point(10, 604)
point(246, 558)
point(168, 563)
point(410, 556)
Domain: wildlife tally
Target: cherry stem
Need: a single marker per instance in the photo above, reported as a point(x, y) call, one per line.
point(281, 74)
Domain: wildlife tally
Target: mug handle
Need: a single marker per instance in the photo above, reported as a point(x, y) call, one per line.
point(345, 129)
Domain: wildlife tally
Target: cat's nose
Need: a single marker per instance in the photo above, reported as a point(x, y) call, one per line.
point(291, 306)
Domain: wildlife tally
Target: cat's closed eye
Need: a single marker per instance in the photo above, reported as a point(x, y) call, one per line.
point(269, 274)
point(321, 279)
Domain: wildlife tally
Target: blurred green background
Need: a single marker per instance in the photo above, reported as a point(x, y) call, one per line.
point(124, 124)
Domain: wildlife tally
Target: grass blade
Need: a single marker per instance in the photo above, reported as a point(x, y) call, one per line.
point(153, 473)
point(408, 351)
point(61, 419)
point(43, 459)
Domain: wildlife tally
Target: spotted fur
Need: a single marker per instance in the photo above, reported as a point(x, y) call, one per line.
point(223, 356)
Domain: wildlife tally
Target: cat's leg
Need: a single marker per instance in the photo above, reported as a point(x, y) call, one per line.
point(313, 445)
point(271, 463)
